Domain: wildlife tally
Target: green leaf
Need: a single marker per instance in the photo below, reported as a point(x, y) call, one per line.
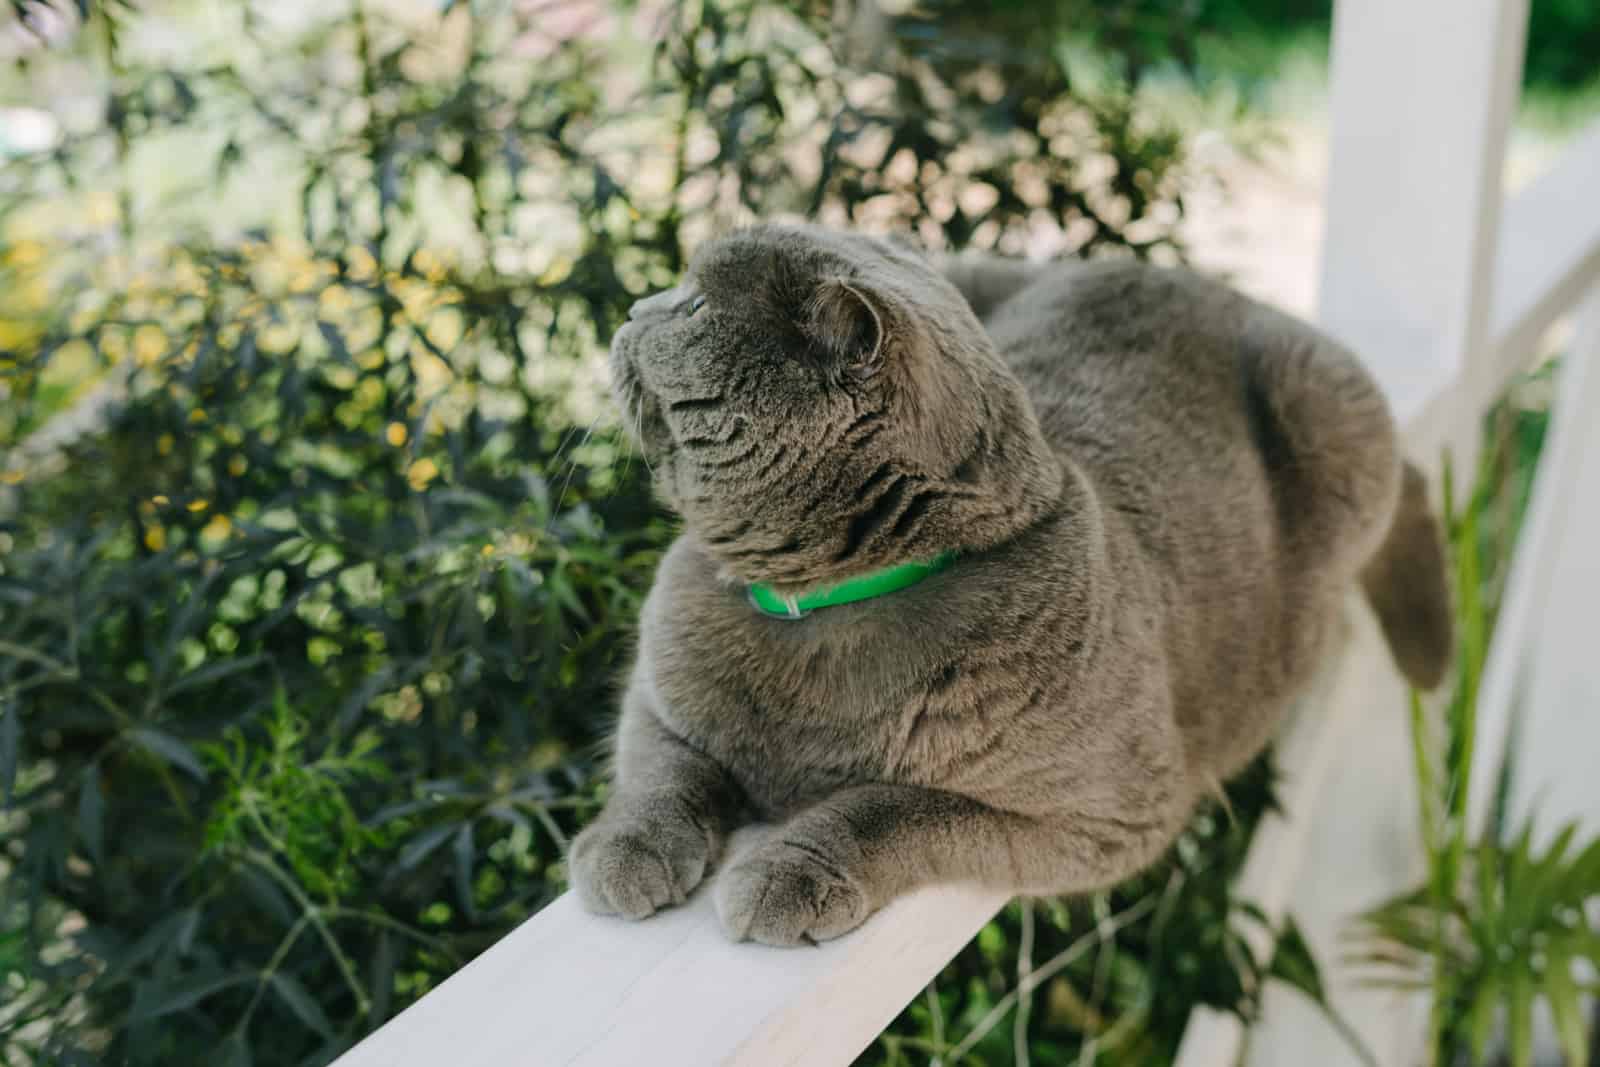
point(464, 855)
point(335, 341)
point(381, 984)
point(1517, 882)
point(188, 927)
point(1566, 1006)
point(168, 749)
point(10, 745)
point(267, 895)
point(1542, 891)
point(1487, 906)
point(91, 815)
point(1582, 879)
point(234, 1052)
point(1292, 962)
point(424, 843)
point(561, 588)
point(153, 999)
point(1520, 1022)
point(302, 1003)
point(214, 672)
point(1481, 1017)
point(1428, 792)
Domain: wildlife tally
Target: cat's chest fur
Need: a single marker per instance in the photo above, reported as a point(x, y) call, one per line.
point(944, 684)
point(791, 718)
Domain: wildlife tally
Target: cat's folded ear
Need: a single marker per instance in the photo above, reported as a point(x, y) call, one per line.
point(846, 323)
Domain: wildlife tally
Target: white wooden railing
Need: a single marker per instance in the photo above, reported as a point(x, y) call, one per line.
point(1446, 288)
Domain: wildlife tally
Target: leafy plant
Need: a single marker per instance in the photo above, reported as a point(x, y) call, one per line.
point(1499, 923)
point(278, 800)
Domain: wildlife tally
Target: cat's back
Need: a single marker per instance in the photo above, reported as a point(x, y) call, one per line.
point(1126, 352)
point(1142, 378)
point(1137, 375)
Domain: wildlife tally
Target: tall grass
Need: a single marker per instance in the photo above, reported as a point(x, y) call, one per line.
point(1497, 924)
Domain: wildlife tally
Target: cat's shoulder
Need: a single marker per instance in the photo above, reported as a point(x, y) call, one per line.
point(1130, 285)
point(1117, 298)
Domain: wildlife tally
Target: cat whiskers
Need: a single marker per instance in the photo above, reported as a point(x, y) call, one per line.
point(637, 411)
point(571, 452)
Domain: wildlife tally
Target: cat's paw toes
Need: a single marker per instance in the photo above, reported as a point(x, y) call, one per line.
point(636, 868)
point(782, 894)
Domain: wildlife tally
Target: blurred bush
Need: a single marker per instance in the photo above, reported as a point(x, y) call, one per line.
point(1563, 46)
point(306, 652)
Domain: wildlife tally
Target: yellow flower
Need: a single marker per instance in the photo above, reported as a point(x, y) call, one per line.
point(12, 477)
point(164, 445)
point(155, 538)
point(420, 473)
point(334, 299)
point(556, 272)
point(425, 260)
point(445, 329)
point(101, 209)
point(199, 505)
point(278, 337)
point(217, 529)
point(148, 344)
point(26, 253)
point(362, 266)
point(197, 415)
point(186, 277)
point(114, 343)
point(396, 434)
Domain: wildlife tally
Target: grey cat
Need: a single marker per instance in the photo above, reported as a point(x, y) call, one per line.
point(1156, 492)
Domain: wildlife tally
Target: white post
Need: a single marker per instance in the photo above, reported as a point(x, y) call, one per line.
point(1421, 98)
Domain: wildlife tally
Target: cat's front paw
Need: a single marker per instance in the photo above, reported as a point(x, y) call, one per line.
point(784, 893)
point(635, 865)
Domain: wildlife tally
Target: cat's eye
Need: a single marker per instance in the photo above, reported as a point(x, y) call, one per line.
point(696, 304)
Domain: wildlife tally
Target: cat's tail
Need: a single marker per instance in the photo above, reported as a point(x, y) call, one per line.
point(1407, 583)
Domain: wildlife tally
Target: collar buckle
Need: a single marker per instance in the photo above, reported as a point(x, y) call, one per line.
point(792, 611)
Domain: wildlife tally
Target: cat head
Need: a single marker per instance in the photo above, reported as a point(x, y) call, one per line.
point(817, 405)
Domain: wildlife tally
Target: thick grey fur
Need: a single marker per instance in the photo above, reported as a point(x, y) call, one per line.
point(1159, 489)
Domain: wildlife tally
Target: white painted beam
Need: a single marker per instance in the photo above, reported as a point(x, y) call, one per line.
point(1541, 680)
point(1549, 252)
point(569, 989)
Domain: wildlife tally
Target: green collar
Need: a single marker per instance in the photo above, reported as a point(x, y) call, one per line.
point(878, 583)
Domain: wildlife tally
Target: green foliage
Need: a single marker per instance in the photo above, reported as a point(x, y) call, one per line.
point(1112, 978)
point(279, 799)
point(1498, 923)
point(1511, 930)
point(1563, 35)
